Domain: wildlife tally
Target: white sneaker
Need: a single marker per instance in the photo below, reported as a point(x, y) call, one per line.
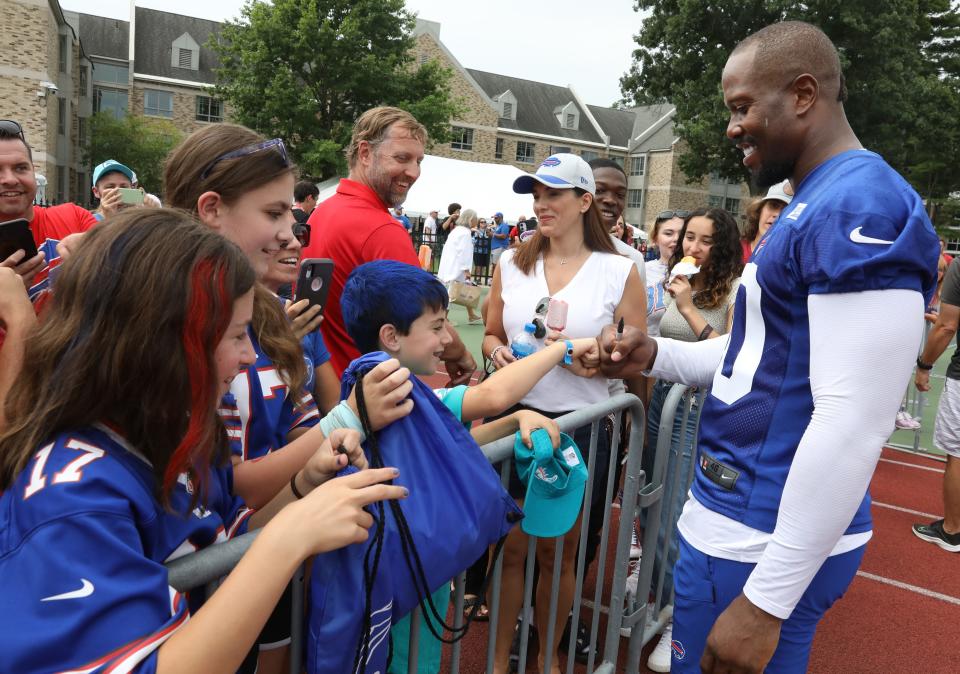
point(636, 551)
point(906, 422)
point(659, 660)
point(633, 578)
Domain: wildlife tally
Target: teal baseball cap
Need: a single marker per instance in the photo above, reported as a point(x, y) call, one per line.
point(112, 166)
point(555, 480)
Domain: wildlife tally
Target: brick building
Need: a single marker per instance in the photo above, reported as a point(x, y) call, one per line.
point(508, 120)
point(42, 65)
point(60, 67)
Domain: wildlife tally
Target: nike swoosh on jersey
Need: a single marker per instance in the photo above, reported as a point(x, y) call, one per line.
point(857, 237)
point(86, 589)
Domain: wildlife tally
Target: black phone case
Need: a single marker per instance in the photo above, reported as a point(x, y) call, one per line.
point(16, 235)
point(313, 283)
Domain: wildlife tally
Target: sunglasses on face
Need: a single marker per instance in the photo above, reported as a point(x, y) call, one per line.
point(246, 151)
point(667, 215)
point(10, 128)
point(301, 232)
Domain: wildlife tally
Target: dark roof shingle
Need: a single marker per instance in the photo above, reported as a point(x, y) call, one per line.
point(536, 102)
point(156, 32)
point(101, 36)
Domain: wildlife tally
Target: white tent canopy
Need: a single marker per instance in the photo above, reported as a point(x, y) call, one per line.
point(486, 188)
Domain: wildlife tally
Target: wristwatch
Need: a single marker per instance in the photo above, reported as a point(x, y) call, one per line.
point(923, 366)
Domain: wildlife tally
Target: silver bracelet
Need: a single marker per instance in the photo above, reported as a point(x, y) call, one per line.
point(496, 350)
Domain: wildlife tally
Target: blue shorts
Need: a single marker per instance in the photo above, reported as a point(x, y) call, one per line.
point(706, 585)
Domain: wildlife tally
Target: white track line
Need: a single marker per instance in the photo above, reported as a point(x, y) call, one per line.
point(910, 588)
point(913, 465)
point(918, 513)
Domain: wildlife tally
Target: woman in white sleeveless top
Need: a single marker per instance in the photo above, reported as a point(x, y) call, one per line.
point(572, 258)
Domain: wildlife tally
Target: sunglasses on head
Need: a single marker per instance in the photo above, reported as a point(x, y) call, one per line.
point(10, 128)
point(667, 215)
point(301, 232)
point(245, 151)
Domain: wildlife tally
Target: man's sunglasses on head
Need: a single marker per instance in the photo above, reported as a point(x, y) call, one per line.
point(10, 128)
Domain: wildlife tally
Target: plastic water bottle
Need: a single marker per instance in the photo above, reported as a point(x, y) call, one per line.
point(524, 343)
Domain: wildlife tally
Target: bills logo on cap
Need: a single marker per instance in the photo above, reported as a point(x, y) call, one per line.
point(583, 181)
point(551, 161)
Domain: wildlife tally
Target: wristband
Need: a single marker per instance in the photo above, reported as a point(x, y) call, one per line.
point(568, 355)
point(293, 486)
point(706, 332)
point(923, 366)
point(341, 416)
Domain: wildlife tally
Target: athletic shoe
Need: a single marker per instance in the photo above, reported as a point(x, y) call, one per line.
point(635, 549)
point(514, 662)
point(934, 533)
point(659, 660)
point(581, 648)
point(906, 422)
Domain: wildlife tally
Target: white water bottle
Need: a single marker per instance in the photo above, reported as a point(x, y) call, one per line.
point(524, 343)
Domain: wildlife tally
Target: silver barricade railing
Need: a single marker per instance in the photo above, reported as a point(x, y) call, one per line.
point(208, 565)
point(685, 401)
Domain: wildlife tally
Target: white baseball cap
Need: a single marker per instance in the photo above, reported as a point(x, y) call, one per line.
point(560, 171)
point(780, 193)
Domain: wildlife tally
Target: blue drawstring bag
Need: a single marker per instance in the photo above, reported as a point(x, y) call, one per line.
point(456, 510)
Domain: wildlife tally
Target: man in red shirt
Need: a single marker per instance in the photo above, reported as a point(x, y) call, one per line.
point(18, 187)
point(354, 226)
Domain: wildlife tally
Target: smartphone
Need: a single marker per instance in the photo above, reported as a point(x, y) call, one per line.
point(314, 281)
point(16, 235)
point(131, 195)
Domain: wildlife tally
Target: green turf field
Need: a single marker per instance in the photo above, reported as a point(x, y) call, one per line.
point(925, 408)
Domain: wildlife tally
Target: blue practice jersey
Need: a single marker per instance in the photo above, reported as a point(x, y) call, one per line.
point(854, 225)
point(83, 542)
point(259, 411)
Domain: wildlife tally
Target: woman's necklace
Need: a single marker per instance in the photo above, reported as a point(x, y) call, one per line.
point(564, 260)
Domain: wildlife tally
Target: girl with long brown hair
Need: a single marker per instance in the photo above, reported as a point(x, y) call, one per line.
point(241, 185)
point(113, 462)
point(571, 257)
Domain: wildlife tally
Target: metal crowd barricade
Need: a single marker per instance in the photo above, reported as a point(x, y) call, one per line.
point(914, 402)
point(665, 479)
point(207, 566)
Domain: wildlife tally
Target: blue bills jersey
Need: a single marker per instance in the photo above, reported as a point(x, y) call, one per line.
point(83, 542)
point(854, 225)
point(259, 410)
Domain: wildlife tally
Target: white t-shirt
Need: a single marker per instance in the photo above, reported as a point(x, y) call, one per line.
point(429, 226)
point(457, 255)
point(592, 296)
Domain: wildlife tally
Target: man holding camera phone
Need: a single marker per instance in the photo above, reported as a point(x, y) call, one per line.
point(18, 188)
point(113, 186)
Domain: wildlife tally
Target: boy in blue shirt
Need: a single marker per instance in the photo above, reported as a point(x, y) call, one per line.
point(402, 310)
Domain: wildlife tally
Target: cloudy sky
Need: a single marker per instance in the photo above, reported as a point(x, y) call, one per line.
point(583, 44)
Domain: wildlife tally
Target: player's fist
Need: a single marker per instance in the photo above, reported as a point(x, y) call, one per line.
point(627, 357)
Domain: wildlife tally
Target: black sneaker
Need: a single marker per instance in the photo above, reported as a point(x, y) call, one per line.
point(514, 664)
point(934, 533)
point(582, 647)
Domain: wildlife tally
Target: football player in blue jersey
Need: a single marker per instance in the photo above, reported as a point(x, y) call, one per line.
point(805, 390)
point(114, 462)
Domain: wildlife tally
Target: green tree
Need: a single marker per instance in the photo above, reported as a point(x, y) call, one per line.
point(304, 70)
point(141, 143)
point(900, 59)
